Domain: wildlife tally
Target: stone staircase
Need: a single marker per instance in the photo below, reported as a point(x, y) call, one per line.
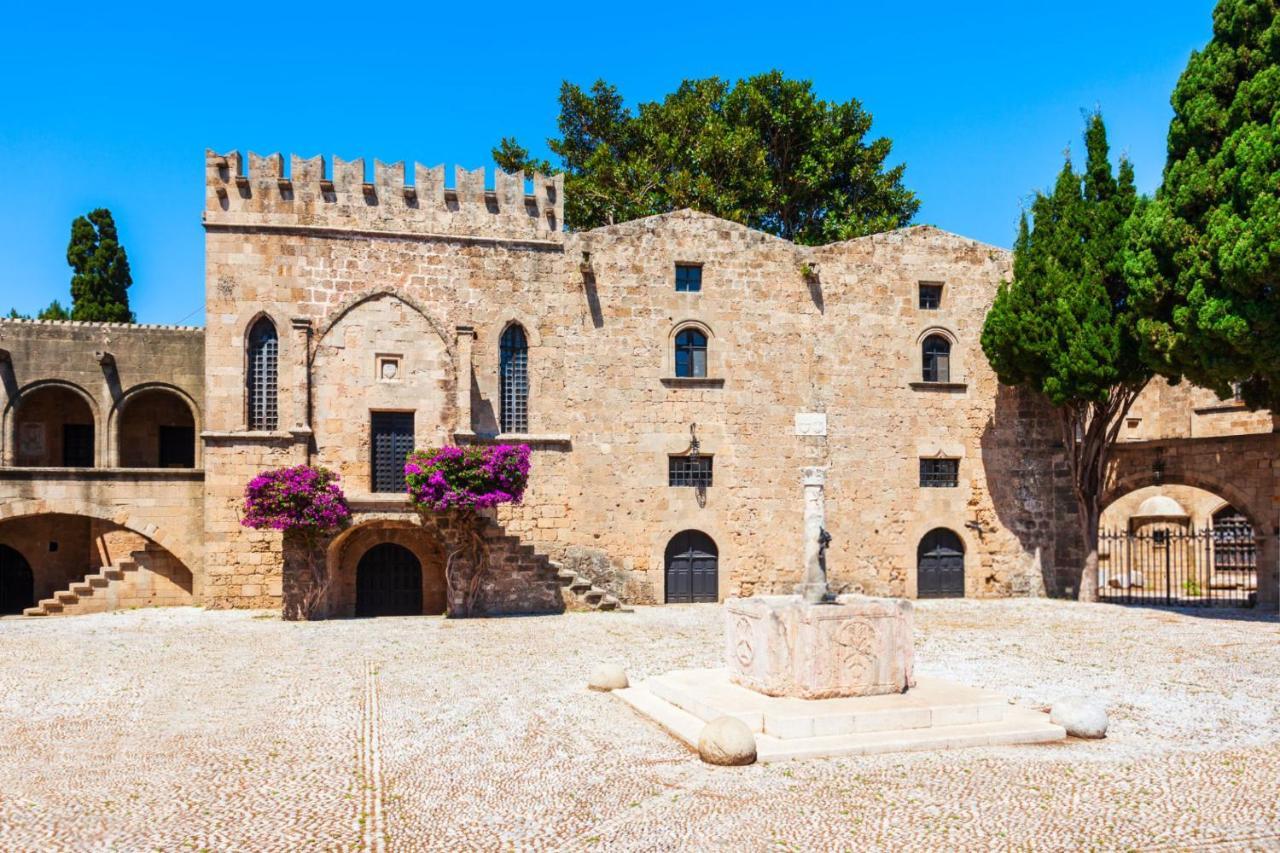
point(579, 592)
point(90, 595)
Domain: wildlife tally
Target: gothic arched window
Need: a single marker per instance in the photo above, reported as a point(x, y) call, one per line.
point(515, 380)
point(937, 359)
point(262, 376)
point(691, 353)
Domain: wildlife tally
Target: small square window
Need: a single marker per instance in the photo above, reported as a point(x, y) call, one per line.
point(939, 473)
point(688, 278)
point(930, 295)
point(689, 471)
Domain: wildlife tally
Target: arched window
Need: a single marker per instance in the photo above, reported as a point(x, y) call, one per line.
point(515, 380)
point(263, 375)
point(691, 353)
point(937, 359)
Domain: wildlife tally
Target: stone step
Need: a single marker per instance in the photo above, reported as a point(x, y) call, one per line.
point(82, 589)
point(579, 585)
point(111, 573)
point(594, 595)
point(34, 611)
point(98, 581)
point(50, 605)
point(66, 596)
point(608, 602)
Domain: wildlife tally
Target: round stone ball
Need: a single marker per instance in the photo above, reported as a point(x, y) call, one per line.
point(1081, 716)
point(728, 742)
point(608, 676)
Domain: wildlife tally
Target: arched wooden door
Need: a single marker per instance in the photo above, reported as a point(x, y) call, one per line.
point(940, 565)
point(693, 568)
point(17, 585)
point(388, 582)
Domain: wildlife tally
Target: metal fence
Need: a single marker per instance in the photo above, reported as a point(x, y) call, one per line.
point(1179, 566)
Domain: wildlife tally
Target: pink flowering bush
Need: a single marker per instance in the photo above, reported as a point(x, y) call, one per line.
point(300, 498)
point(467, 478)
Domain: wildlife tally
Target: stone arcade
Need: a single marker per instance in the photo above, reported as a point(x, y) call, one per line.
point(670, 374)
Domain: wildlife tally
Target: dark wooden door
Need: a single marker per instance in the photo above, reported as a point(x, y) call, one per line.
point(693, 571)
point(388, 582)
point(940, 565)
point(17, 586)
point(392, 442)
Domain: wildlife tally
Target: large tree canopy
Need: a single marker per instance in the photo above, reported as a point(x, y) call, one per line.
point(1204, 256)
point(1064, 327)
point(765, 151)
point(101, 278)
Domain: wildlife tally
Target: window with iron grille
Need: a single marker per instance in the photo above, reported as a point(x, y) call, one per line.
point(939, 473)
point(262, 376)
point(689, 471)
point(688, 278)
point(936, 355)
point(392, 441)
point(691, 353)
point(930, 295)
point(515, 380)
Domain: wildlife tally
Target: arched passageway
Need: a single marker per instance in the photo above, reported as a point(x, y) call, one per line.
point(156, 429)
point(53, 427)
point(388, 582)
point(17, 586)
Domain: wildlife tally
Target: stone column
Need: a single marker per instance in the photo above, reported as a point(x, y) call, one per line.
point(814, 588)
point(466, 336)
point(300, 393)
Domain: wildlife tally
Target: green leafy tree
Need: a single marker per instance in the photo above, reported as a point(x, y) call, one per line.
point(1064, 327)
point(1203, 257)
point(765, 151)
point(55, 311)
point(101, 279)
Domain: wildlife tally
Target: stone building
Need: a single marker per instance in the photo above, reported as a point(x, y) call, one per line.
point(672, 375)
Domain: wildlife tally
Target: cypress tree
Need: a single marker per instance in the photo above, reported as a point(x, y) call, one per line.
point(1203, 258)
point(1064, 327)
point(101, 279)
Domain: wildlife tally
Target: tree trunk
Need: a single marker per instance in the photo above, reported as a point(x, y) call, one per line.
point(1090, 512)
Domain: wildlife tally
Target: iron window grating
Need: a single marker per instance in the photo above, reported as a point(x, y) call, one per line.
point(930, 295)
point(392, 442)
point(515, 380)
point(688, 278)
point(694, 471)
point(264, 350)
point(939, 473)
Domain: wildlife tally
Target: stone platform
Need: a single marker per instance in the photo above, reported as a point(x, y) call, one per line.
point(935, 714)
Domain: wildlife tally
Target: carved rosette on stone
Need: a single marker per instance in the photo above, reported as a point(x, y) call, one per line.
point(780, 645)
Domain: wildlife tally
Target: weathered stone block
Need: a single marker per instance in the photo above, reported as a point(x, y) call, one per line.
point(855, 646)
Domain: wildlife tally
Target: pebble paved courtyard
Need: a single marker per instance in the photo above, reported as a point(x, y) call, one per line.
point(182, 729)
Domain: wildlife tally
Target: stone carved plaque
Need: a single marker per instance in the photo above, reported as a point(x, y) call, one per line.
point(811, 423)
point(31, 440)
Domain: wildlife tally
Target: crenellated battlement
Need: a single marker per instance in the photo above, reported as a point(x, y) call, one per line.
point(257, 193)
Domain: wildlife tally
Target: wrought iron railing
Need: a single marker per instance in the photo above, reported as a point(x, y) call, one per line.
point(1179, 566)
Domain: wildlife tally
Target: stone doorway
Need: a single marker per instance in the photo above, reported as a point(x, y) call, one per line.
point(17, 585)
point(693, 568)
point(940, 565)
point(388, 582)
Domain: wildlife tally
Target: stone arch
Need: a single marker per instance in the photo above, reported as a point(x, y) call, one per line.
point(122, 517)
point(691, 567)
point(25, 393)
point(115, 416)
point(348, 305)
point(344, 553)
point(1134, 480)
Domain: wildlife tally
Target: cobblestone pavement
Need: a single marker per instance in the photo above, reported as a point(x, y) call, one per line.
point(180, 729)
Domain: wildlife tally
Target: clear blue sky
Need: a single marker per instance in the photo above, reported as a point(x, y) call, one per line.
point(104, 107)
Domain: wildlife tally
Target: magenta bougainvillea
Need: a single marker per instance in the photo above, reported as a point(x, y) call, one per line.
point(298, 498)
point(467, 478)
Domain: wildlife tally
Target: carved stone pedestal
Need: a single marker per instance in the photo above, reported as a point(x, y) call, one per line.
point(781, 645)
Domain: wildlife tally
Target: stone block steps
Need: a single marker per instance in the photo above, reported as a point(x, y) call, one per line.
point(579, 592)
point(88, 595)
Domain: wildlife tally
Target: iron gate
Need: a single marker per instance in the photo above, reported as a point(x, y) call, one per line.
point(388, 582)
point(1180, 566)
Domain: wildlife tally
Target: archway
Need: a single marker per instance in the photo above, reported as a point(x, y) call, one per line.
point(388, 582)
point(53, 426)
point(940, 565)
point(17, 584)
point(692, 568)
point(156, 429)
